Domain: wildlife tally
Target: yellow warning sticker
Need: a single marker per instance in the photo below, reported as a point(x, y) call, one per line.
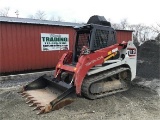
point(110, 52)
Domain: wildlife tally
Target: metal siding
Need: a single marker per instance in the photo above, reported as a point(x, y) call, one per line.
point(36, 38)
point(20, 47)
point(1, 48)
point(4, 49)
point(123, 36)
point(9, 48)
point(28, 46)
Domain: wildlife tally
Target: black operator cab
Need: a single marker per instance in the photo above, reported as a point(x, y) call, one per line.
point(92, 37)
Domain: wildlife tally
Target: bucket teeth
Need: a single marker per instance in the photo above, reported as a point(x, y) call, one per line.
point(22, 93)
point(31, 105)
point(29, 98)
point(41, 111)
point(30, 101)
point(36, 102)
point(25, 95)
point(36, 108)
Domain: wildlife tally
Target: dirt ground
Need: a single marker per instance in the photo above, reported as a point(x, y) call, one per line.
point(135, 104)
point(140, 102)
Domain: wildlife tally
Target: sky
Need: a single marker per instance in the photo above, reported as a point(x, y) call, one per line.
point(135, 11)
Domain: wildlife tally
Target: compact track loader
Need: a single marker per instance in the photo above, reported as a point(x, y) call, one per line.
point(98, 66)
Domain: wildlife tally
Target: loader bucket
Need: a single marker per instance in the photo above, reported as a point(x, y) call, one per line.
point(47, 94)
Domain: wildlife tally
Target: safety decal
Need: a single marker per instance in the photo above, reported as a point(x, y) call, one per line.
point(131, 52)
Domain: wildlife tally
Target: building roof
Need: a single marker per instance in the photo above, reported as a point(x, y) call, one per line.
point(37, 21)
point(44, 22)
point(125, 30)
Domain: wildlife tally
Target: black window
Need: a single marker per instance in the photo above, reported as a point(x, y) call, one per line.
point(101, 39)
point(112, 40)
point(83, 40)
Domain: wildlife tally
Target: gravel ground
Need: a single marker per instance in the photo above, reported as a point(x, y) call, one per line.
point(135, 104)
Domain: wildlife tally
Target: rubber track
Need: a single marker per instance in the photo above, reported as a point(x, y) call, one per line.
point(97, 77)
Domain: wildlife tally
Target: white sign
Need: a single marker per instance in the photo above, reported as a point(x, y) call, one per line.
point(51, 42)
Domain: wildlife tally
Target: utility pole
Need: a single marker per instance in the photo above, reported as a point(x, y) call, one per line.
point(17, 13)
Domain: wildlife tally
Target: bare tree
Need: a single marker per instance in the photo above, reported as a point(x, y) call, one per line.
point(52, 18)
point(31, 16)
point(40, 15)
point(138, 31)
point(142, 32)
point(116, 26)
point(158, 38)
point(4, 11)
point(124, 24)
point(135, 33)
point(156, 28)
point(59, 19)
point(148, 32)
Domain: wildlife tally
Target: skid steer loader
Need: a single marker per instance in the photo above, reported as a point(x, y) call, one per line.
point(98, 66)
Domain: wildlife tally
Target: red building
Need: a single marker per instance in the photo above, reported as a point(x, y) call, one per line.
point(21, 44)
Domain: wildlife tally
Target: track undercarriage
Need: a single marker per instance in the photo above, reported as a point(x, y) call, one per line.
point(106, 83)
